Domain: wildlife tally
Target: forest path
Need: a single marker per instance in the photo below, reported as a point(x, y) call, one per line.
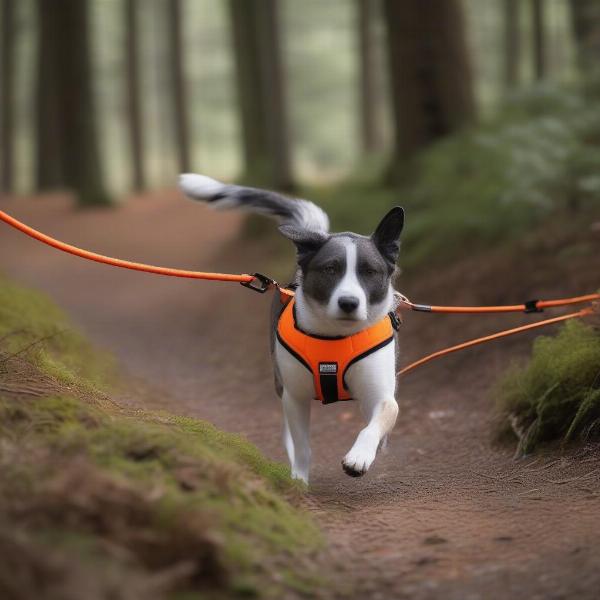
point(444, 514)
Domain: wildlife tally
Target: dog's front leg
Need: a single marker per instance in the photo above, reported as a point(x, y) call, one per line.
point(382, 418)
point(372, 381)
point(297, 434)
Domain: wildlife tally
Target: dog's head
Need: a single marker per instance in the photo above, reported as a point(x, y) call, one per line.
point(346, 278)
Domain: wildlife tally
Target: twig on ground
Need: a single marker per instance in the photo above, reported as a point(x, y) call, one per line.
point(23, 390)
point(528, 492)
point(571, 479)
point(13, 332)
point(34, 343)
point(547, 466)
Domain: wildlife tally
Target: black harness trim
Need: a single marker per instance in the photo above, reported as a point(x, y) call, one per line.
point(293, 352)
point(314, 335)
point(328, 380)
point(364, 355)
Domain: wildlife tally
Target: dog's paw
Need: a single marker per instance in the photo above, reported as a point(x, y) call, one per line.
point(350, 470)
point(356, 464)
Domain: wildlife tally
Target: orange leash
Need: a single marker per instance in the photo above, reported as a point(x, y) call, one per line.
point(494, 336)
point(261, 283)
point(528, 307)
point(117, 262)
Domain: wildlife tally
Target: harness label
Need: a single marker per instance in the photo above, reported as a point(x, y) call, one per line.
point(326, 368)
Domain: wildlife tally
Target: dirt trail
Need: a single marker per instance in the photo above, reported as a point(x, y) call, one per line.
point(444, 514)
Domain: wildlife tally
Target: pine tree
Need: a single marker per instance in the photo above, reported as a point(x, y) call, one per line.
point(134, 109)
point(177, 70)
point(7, 96)
point(261, 92)
point(370, 100)
point(431, 79)
point(512, 43)
point(67, 150)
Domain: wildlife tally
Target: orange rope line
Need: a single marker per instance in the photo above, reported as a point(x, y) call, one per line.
point(540, 304)
point(489, 338)
point(244, 278)
point(117, 262)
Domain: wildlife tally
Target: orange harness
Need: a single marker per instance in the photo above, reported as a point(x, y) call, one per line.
point(328, 359)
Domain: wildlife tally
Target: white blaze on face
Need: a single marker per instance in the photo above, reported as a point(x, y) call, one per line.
point(349, 286)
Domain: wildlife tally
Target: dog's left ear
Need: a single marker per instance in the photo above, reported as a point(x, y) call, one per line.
point(387, 234)
point(307, 242)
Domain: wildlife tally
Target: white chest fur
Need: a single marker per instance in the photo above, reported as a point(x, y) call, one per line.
point(371, 377)
point(371, 381)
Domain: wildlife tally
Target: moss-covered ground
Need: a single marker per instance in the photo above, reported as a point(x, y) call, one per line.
point(100, 501)
point(556, 395)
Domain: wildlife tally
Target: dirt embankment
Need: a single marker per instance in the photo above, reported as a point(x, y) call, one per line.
point(445, 513)
point(102, 501)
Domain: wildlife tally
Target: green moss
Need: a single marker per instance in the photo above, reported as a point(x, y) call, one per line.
point(236, 448)
point(30, 323)
point(98, 483)
point(556, 396)
point(194, 465)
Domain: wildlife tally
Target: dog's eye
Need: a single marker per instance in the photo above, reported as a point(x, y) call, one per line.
point(329, 269)
point(369, 271)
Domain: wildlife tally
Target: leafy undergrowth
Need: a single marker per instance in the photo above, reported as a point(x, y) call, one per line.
point(486, 185)
point(99, 501)
point(556, 396)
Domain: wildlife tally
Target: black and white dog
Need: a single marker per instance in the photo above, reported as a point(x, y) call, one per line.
point(344, 285)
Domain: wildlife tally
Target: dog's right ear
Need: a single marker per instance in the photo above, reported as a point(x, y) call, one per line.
point(307, 242)
point(387, 235)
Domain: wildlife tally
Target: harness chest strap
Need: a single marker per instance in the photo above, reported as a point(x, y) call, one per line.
point(328, 359)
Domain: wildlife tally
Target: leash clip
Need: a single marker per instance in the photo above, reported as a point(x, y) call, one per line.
point(261, 283)
point(395, 319)
point(531, 306)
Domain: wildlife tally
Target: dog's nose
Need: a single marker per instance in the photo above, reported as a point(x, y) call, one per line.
point(348, 303)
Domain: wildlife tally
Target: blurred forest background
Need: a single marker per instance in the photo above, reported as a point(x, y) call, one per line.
point(108, 96)
point(480, 117)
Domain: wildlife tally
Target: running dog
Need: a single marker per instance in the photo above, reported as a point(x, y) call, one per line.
point(335, 340)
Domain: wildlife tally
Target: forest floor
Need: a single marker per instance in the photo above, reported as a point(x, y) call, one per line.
point(446, 513)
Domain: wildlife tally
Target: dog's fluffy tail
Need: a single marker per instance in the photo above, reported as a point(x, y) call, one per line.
point(289, 211)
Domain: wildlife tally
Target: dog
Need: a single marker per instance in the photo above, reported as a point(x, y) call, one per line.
point(343, 289)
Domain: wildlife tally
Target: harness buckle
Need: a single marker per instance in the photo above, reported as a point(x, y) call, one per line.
point(531, 306)
point(396, 320)
point(261, 283)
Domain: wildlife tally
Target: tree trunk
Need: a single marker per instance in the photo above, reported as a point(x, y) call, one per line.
point(539, 39)
point(7, 96)
point(431, 79)
point(49, 172)
point(512, 43)
point(67, 146)
point(585, 18)
point(370, 100)
point(177, 69)
point(261, 92)
point(134, 111)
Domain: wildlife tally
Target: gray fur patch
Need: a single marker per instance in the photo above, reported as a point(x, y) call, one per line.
point(326, 268)
point(324, 271)
point(372, 270)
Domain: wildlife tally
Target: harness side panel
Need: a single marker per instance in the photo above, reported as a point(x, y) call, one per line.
point(277, 307)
